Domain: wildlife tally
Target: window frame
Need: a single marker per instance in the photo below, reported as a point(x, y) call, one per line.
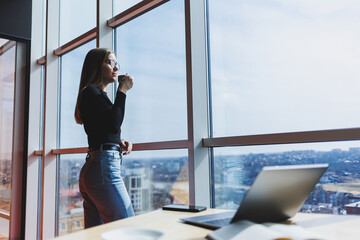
point(19, 139)
point(199, 141)
point(314, 136)
point(50, 61)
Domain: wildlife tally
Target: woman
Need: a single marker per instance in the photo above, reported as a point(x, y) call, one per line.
point(101, 186)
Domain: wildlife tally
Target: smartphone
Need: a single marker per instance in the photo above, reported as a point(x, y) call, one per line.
point(184, 208)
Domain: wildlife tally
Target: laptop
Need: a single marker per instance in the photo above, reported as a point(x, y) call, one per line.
point(277, 194)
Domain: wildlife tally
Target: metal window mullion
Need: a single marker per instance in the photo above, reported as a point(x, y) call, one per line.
point(34, 166)
point(106, 35)
point(50, 123)
point(211, 131)
point(197, 50)
point(19, 134)
point(58, 144)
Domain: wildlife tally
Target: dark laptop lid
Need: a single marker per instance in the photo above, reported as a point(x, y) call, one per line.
point(277, 193)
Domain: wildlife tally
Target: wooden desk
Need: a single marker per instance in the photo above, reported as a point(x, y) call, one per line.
point(331, 226)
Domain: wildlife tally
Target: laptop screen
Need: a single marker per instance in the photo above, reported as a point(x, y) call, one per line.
point(277, 193)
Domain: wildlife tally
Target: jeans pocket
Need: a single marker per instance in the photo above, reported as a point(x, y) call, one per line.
point(111, 171)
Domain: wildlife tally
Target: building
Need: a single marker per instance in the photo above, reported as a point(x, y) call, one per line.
point(353, 208)
point(72, 222)
point(258, 82)
point(138, 184)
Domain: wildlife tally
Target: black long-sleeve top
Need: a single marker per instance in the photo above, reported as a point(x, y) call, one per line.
point(102, 119)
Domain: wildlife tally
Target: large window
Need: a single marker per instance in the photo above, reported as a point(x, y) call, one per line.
point(236, 169)
point(273, 68)
point(71, 216)
point(152, 178)
point(284, 66)
point(7, 92)
point(76, 18)
point(156, 106)
point(151, 48)
point(71, 134)
point(156, 178)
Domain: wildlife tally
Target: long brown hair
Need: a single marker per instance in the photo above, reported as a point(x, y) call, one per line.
point(91, 74)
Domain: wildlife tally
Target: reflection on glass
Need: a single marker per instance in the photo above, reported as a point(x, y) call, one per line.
point(7, 84)
point(338, 191)
point(72, 134)
point(152, 178)
point(151, 48)
point(156, 178)
point(283, 66)
point(71, 214)
point(120, 6)
point(76, 18)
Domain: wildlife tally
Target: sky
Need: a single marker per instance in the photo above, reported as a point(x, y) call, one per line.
point(283, 67)
point(75, 19)
point(153, 52)
point(276, 66)
point(120, 6)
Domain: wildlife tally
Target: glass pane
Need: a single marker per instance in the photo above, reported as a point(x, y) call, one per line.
point(7, 88)
point(156, 178)
point(337, 191)
point(120, 6)
point(152, 178)
point(39, 195)
point(43, 30)
point(7, 84)
point(283, 66)
point(72, 134)
point(156, 106)
point(42, 105)
point(76, 18)
point(71, 213)
point(41, 132)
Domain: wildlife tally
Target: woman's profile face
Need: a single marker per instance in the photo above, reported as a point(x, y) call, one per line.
point(110, 69)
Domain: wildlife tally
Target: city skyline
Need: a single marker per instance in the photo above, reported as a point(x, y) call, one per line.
point(153, 182)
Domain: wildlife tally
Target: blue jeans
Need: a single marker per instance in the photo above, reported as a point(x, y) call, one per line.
point(103, 190)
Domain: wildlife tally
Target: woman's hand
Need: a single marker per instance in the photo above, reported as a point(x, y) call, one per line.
point(126, 146)
point(125, 83)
